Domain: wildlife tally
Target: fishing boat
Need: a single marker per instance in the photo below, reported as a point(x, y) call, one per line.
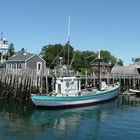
point(67, 92)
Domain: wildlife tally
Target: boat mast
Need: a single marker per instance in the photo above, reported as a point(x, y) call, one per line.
point(99, 77)
point(68, 45)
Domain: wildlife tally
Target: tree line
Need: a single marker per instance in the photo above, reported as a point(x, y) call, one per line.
point(78, 59)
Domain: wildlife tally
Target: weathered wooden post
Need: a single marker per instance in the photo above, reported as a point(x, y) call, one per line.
point(113, 77)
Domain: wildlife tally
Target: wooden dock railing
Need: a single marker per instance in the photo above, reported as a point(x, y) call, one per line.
point(20, 83)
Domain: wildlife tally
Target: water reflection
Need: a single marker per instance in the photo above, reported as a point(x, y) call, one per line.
point(19, 122)
point(82, 121)
point(71, 115)
point(14, 120)
point(129, 100)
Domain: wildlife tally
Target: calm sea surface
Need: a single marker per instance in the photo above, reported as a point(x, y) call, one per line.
point(110, 121)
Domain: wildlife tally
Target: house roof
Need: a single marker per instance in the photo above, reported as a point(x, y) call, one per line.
point(124, 70)
point(21, 57)
point(136, 65)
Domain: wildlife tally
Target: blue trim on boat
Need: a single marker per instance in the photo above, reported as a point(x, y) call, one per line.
point(72, 98)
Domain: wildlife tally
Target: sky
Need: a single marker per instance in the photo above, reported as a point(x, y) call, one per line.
point(112, 25)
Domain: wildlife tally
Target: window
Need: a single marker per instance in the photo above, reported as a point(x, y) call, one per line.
point(19, 65)
point(59, 88)
point(39, 66)
point(13, 65)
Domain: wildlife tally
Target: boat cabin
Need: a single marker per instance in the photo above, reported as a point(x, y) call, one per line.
point(68, 86)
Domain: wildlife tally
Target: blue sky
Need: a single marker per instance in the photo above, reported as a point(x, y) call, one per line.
point(112, 25)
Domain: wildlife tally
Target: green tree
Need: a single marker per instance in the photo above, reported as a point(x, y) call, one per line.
point(120, 62)
point(11, 50)
point(108, 57)
point(88, 57)
point(51, 54)
point(83, 59)
point(78, 59)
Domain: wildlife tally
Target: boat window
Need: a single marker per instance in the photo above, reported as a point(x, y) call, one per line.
point(59, 88)
point(78, 85)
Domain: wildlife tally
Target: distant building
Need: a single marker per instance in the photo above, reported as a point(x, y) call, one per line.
point(3, 49)
point(26, 61)
point(131, 69)
point(104, 67)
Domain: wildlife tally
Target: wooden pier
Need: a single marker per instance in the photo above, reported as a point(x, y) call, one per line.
point(126, 81)
point(20, 83)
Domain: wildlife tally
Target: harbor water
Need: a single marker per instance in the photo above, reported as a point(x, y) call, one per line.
point(114, 120)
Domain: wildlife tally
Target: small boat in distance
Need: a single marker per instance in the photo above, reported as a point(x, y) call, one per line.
point(134, 91)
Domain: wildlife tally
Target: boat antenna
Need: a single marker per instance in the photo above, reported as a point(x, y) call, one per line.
point(68, 44)
point(68, 39)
